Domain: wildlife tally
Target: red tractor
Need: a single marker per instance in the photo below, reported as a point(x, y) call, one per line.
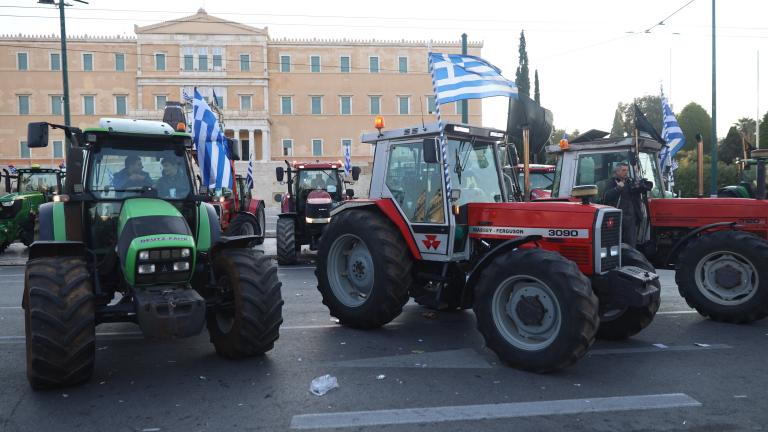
point(305, 211)
point(717, 246)
point(543, 279)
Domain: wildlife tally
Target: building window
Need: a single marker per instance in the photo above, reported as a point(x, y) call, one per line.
point(245, 102)
point(21, 61)
point(189, 59)
point(245, 62)
point(120, 62)
point(89, 105)
point(404, 103)
point(160, 101)
point(431, 105)
point(24, 150)
point(285, 63)
point(217, 59)
point(286, 105)
point(287, 147)
point(345, 103)
point(58, 149)
point(346, 144)
point(121, 105)
point(219, 96)
point(403, 64)
point(317, 147)
point(373, 64)
point(344, 64)
point(23, 104)
point(55, 61)
point(460, 107)
point(316, 105)
point(160, 62)
point(202, 60)
point(56, 104)
point(87, 61)
point(375, 104)
point(314, 64)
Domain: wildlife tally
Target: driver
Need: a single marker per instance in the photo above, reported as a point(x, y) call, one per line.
point(173, 183)
point(132, 176)
point(318, 182)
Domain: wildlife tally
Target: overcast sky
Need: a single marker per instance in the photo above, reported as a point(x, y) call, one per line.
point(590, 54)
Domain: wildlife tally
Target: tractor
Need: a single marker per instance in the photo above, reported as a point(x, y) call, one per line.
point(716, 246)
point(305, 211)
point(126, 242)
point(19, 206)
point(544, 279)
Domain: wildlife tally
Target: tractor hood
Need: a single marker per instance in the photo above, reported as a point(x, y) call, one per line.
point(10, 204)
point(156, 228)
point(9, 197)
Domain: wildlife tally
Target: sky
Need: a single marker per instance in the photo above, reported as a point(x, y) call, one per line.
point(590, 54)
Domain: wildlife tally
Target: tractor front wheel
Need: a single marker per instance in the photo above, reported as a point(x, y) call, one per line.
point(363, 269)
point(59, 318)
point(724, 277)
point(621, 322)
point(245, 224)
point(536, 310)
point(247, 321)
point(287, 252)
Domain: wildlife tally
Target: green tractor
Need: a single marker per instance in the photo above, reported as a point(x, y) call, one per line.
point(18, 207)
point(130, 239)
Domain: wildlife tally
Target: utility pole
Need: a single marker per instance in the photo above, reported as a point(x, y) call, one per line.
point(464, 103)
point(713, 191)
point(757, 117)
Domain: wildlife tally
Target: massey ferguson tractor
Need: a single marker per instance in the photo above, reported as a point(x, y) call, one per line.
point(544, 279)
point(127, 242)
point(305, 211)
point(717, 246)
point(19, 206)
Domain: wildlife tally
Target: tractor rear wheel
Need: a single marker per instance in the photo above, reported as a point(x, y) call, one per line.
point(286, 241)
point(244, 224)
point(363, 269)
point(724, 277)
point(248, 323)
point(4, 245)
point(618, 323)
point(59, 318)
point(536, 310)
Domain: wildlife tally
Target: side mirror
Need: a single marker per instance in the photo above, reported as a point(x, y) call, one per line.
point(455, 195)
point(37, 134)
point(279, 173)
point(234, 149)
point(355, 173)
point(430, 150)
point(350, 193)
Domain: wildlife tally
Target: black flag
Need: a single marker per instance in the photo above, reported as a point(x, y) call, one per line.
point(642, 124)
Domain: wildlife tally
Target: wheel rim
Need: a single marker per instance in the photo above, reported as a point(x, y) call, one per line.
point(350, 270)
point(727, 278)
point(526, 313)
point(225, 321)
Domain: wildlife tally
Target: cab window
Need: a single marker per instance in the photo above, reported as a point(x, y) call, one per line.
point(597, 169)
point(649, 170)
point(416, 186)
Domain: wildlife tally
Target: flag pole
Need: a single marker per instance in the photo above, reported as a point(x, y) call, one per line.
point(443, 149)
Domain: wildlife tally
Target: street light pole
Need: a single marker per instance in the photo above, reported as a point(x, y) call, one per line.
point(64, 72)
point(464, 103)
point(713, 191)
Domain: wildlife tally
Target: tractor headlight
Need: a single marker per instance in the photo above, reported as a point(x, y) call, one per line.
point(144, 255)
point(7, 203)
point(185, 253)
point(614, 251)
point(181, 266)
point(146, 268)
point(603, 252)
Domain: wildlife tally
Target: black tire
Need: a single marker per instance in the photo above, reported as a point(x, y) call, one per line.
point(261, 225)
point(59, 318)
point(248, 280)
point(242, 224)
point(27, 234)
point(553, 282)
point(4, 246)
point(622, 323)
point(286, 241)
point(748, 251)
point(378, 249)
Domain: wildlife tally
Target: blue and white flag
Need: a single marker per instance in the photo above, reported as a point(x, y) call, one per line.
point(211, 146)
point(347, 162)
point(458, 77)
point(249, 177)
point(672, 135)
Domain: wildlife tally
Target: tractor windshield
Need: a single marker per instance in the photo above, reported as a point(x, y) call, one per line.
point(474, 171)
point(327, 180)
point(120, 172)
point(44, 182)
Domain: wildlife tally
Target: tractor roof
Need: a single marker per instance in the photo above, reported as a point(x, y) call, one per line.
point(432, 129)
point(133, 126)
point(316, 165)
point(590, 142)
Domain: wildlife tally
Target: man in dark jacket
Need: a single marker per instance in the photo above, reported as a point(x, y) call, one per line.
point(622, 194)
point(132, 176)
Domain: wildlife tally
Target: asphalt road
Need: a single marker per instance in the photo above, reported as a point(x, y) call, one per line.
point(417, 373)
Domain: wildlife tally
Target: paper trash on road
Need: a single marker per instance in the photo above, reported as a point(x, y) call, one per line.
point(380, 377)
point(703, 345)
point(323, 384)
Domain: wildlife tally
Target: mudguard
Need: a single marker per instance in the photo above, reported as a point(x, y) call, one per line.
point(498, 250)
point(55, 248)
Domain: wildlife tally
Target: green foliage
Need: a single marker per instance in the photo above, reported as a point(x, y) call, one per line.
point(536, 95)
point(694, 119)
point(650, 107)
point(764, 131)
point(522, 76)
point(730, 148)
point(617, 130)
point(686, 174)
point(746, 127)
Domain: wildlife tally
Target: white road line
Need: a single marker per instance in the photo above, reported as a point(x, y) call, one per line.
point(11, 307)
point(680, 312)
point(490, 411)
point(295, 268)
point(654, 349)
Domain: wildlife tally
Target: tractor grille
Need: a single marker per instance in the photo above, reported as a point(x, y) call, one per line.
point(610, 236)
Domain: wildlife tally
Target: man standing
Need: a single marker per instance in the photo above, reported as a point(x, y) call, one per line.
point(621, 194)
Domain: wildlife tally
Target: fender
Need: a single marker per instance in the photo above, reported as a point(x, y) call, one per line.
point(233, 242)
point(680, 243)
point(208, 227)
point(53, 248)
point(498, 250)
point(248, 215)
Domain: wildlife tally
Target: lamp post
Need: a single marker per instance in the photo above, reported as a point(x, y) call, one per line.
point(713, 191)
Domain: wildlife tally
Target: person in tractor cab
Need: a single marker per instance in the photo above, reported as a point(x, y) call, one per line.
point(318, 182)
point(173, 183)
point(132, 176)
point(621, 192)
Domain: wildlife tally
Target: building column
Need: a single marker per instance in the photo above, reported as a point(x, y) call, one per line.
point(266, 148)
point(250, 143)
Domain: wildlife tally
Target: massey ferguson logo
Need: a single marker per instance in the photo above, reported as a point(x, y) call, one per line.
point(431, 242)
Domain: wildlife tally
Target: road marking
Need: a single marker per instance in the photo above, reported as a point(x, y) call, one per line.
point(466, 358)
point(680, 312)
point(11, 307)
point(490, 411)
point(657, 348)
point(295, 268)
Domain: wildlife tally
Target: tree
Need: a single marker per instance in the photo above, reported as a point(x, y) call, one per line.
point(651, 109)
point(764, 131)
point(522, 76)
point(730, 148)
point(746, 127)
point(694, 119)
point(536, 95)
point(618, 124)
point(686, 176)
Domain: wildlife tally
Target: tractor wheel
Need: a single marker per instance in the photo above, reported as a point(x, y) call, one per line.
point(363, 269)
point(59, 318)
point(27, 235)
point(286, 241)
point(536, 310)
point(4, 246)
point(723, 276)
point(247, 281)
point(618, 323)
point(261, 227)
point(244, 225)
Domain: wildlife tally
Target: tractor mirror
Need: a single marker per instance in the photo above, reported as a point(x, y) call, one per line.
point(350, 193)
point(585, 192)
point(279, 173)
point(455, 194)
point(234, 149)
point(37, 134)
point(355, 173)
point(430, 150)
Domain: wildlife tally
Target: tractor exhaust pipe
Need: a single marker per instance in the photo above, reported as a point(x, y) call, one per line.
point(700, 163)
point(7, 181)
point(526, 163)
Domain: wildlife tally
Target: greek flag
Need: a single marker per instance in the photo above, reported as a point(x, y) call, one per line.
point(459, 77)
point(672, 135)
point(211, 146)
point(249, 177)
point(347, 162)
